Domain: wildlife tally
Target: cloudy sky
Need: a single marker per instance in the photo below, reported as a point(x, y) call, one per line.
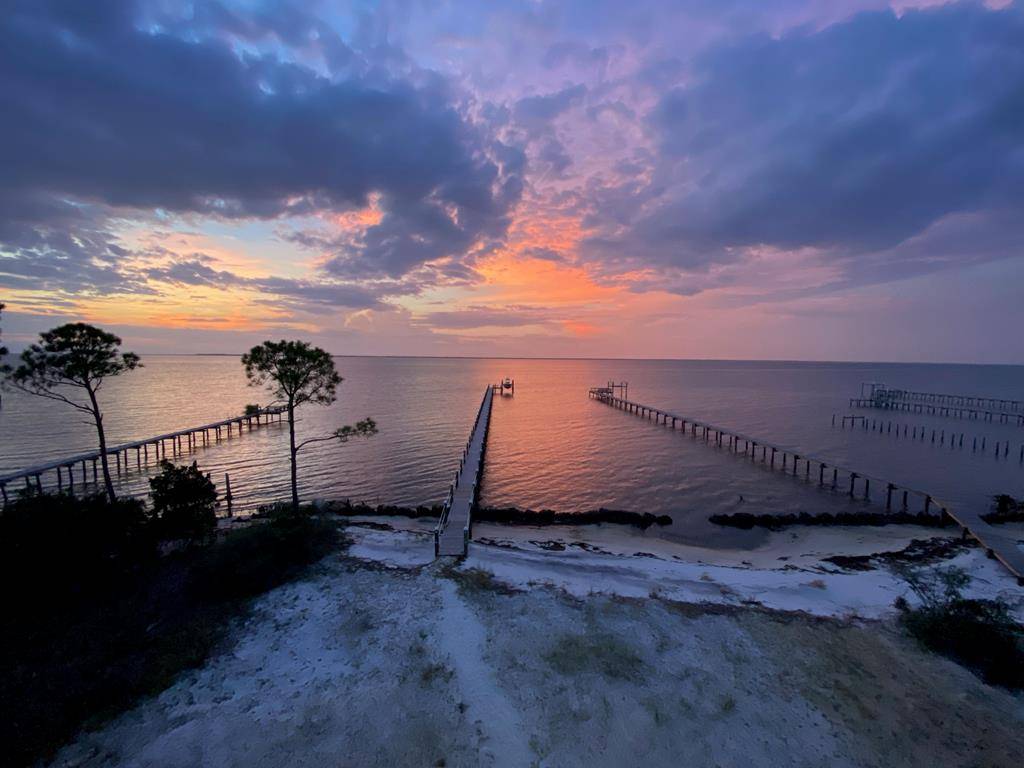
point(800, 179)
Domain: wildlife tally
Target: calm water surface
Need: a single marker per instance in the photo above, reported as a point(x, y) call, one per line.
point(550, 445)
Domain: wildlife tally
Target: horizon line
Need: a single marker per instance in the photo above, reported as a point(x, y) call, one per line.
point(612, 359)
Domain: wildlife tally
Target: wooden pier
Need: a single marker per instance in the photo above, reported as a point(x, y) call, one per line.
point(934, 409)
point(455, 527)
point(809, 469)
point(892, 394)
point(33, 477)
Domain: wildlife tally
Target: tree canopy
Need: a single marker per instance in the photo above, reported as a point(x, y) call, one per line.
point(75, 356)
point(72, 355)
point(297, 372)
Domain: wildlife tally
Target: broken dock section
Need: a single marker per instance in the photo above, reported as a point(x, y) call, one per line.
point(810, 469)
point(455, 527)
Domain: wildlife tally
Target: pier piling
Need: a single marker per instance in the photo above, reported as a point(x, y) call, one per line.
point(1002, 546)
point(121, 455)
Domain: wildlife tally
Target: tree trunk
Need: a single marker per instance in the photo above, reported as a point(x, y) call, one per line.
point(111, 496)
point(294, 455)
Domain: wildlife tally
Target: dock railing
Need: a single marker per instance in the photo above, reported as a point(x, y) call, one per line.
point(33, 476)
point(482, 415)
point(894, 394)
point(885, 400)
point(996, 544)
point(789, 461)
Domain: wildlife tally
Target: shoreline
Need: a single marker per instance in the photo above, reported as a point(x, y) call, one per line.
point(591, 646)
point(830, 571)
point(500, 515)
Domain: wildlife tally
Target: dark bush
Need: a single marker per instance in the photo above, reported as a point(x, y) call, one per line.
point(184, 502)
point(264, 553)
point(508, 515)
point(515, 516)
point(56, 545)
point(81, 661)
point(1005, 509)
point(979, 634)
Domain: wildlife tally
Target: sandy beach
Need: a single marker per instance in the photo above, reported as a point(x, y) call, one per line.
point(587, 646)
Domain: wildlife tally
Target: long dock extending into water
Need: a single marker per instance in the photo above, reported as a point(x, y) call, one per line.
point(33, 477)
point(810, 469)
point(455, 527)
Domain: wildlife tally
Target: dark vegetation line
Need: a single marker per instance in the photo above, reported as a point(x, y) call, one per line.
point(747, 520)
point(978, 634)
point(1005, 509)
point(506, 515)
point(106, 603)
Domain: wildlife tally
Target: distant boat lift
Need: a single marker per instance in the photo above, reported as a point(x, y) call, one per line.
point(506, 387)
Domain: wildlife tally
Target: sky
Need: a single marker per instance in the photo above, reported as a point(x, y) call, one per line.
point(729, 179)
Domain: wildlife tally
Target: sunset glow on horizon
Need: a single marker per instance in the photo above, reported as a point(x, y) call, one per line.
point(795, 180)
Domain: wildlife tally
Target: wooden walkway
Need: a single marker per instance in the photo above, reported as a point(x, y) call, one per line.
point(937, 398)
point(932, 409)
point(997, 544)
point(33, 477)
point(454, 529)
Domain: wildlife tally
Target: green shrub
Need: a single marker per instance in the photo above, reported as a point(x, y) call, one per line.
point(184, 502)
point(979, 634)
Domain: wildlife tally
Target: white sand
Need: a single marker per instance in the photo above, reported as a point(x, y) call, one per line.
point(402, 663)
point(787, 573)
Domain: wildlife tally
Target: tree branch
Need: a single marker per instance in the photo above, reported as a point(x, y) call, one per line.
point(365, 428)
point(304, 443)
point(50, 395)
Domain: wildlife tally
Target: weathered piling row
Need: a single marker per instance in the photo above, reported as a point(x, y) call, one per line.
point(455, 526)
point(932, 409)
point(936, 398)
point(810, 469)
point(855, 484)
point(935, 436)
point(181, 441)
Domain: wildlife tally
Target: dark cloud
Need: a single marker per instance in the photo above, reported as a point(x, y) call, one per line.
point(850, 139)
point(116, 115)
point(323, 293)
point(535, 113)
point(196, 271)
point(51, 244)
point(553, 157)
point(544, 254)
point(286, 22)
point(487, 317)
